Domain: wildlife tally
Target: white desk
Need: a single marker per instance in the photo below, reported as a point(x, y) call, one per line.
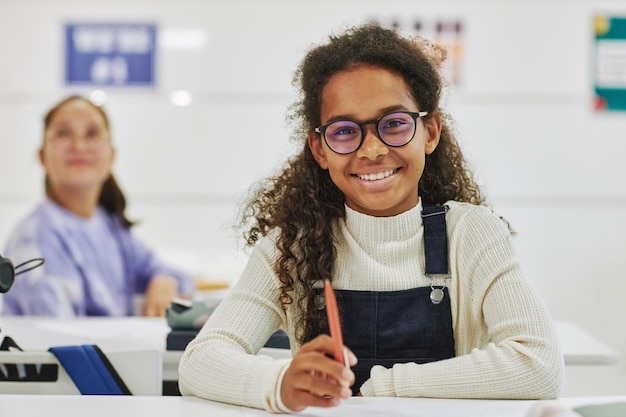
point(38, 333)
point(106, 406)
point(580, 348)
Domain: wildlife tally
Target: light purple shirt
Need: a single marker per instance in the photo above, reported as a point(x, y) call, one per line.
point(93, 267)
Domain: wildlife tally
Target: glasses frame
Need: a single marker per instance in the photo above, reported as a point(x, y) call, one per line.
point(73, 139)
point(414, 115)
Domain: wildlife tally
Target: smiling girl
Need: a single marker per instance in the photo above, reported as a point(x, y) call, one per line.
point(94, 265)
point(380, 202)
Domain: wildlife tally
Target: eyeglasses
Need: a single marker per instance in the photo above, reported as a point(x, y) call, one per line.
point(91, 138)
point(394, 129)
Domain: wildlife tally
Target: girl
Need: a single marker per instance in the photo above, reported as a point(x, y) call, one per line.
point(94, 265)
point(380, 202)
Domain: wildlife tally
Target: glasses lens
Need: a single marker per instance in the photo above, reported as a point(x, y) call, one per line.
point(397, 129)
point(343, 136)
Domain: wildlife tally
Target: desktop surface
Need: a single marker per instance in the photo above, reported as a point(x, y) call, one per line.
point(579, 347)
point(106, 406)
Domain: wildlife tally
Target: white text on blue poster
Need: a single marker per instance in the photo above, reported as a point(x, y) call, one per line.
point(110, 54)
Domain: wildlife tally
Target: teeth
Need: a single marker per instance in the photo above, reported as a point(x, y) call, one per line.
point(374, 177)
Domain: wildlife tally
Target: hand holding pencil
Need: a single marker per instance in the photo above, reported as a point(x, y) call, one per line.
point(319, 374)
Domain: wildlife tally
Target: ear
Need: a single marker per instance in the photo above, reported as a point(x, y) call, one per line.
point(317, 149)
point(112, 160)
point(41, 156)
point(433, 133)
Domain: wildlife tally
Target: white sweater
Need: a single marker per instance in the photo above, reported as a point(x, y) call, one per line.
point(505, 342)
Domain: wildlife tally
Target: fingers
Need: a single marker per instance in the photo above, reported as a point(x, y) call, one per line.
point(306, 399)
point(325, 343)
point(352, 360)
point(151, 310)
point(302, 387)
point(314, 378)
point(158, 296)
point(154, 307)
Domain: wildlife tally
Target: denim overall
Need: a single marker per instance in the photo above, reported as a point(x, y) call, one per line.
point(389, 327)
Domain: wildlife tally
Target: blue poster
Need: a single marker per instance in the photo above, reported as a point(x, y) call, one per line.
point(610, 63)
point(110, 54)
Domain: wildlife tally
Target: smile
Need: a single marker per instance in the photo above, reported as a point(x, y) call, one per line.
point(378, 176)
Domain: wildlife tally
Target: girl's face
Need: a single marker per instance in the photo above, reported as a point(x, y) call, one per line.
point(77, 153)
point(377, 179)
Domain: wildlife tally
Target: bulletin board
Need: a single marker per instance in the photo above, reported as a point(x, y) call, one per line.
point(610, 63)
point(447, 32)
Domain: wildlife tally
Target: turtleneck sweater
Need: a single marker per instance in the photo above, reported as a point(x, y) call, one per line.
point(505, 341)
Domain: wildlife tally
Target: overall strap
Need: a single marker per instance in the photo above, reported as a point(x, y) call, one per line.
point(435, 239)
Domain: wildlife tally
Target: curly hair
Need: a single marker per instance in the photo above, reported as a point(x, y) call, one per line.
point(303, 203)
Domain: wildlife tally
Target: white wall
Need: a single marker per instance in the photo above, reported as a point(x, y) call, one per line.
point(549, 163)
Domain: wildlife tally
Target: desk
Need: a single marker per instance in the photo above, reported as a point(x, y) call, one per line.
point(39, 333)
point(106, 406)
point(580, 348)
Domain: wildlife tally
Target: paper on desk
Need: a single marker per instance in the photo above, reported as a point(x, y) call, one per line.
point(580, 407)
point(421, 407)
point(610, 409)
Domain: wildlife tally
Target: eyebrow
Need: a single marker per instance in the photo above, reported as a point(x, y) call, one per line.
point(382, 112)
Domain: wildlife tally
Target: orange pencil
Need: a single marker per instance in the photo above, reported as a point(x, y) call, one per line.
point(334, 324)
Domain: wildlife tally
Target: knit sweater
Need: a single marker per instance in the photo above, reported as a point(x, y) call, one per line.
point(505, 342)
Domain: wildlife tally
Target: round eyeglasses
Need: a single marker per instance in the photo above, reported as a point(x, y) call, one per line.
point(394, 129)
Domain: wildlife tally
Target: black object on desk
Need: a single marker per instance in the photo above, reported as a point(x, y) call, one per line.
point(186, 318)
point(178, 339)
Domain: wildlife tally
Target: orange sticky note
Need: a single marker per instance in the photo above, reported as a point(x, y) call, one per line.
point(333, 323)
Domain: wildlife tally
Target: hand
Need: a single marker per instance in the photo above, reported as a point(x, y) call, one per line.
point(314, 378)
point(159, 295)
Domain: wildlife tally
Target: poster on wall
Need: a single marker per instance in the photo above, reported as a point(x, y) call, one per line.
point(610, 63)
point(110, 54)
point(447, 32)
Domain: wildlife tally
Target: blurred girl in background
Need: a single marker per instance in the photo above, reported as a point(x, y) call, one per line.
point(94, 265)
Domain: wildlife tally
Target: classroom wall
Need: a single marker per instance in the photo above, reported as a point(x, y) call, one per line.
point(523, 108)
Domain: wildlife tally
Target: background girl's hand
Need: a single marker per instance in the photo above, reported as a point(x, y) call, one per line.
point(314, 378)
point(159, 294)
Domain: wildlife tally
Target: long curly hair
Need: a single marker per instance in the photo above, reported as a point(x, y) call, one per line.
point(303, 203)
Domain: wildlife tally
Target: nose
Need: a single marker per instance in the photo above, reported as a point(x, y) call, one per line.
point(78, 140)
point(372, 146)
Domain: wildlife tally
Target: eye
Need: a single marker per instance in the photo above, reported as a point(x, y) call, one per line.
point(345, 130)
point(393, 123)
point(341, 130)
point(62, 133)
point(93, 134)
point(396, 123)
